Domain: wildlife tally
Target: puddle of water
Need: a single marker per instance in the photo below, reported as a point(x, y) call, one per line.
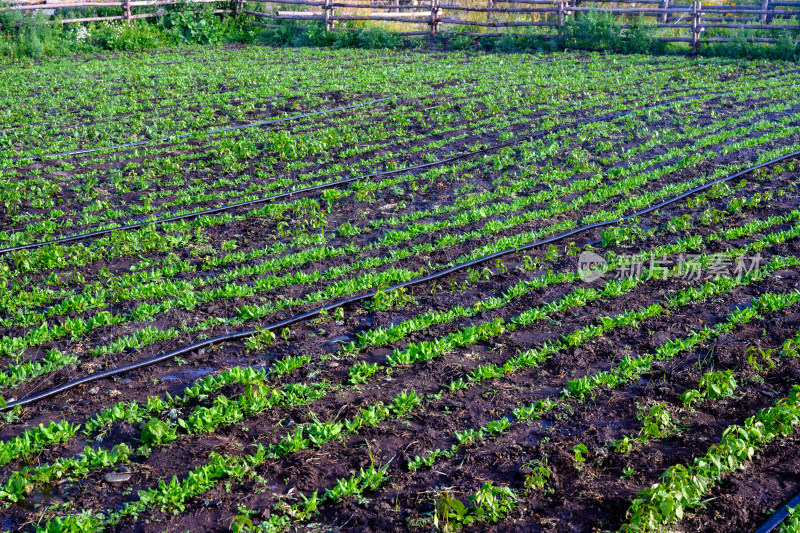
point(397, 320)
point(340, 338)
point(41, 499)
point(188, 375)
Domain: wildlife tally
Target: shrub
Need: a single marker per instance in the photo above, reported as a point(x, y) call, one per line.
point(461, 42)
point(128, 37)
point(592, 30)
point(506, 43)
point(196, 23)
point(378, 38)
point(785, 48)
point(639, 37)
point(29, 35)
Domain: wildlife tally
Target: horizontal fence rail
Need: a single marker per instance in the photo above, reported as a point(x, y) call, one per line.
point(688, 21)
point(682, 22)
point(125, 6)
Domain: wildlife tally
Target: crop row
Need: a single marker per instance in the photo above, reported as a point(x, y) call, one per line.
point(325, 431)
point(78, 303)
point(555, 209)
point(237, 147)
point(524, 361)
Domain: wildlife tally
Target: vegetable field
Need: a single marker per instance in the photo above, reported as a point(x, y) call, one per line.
point(260, 289)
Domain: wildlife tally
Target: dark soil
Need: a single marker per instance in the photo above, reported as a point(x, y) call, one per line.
point(590, 497)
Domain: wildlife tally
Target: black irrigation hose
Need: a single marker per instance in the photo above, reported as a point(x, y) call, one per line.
point(188, 135)
point(360, 298)
point(776, 519)
point(337, 183)
point(134, 225)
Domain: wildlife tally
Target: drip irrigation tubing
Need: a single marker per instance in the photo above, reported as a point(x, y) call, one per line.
point(110, 118)
point(362, 297)
point(207, 132)
point(778, 518)
point(337, 183)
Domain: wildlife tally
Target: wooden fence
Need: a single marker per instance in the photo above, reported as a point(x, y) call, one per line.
point(126, 8)
point(684, 22)
point(680, 22)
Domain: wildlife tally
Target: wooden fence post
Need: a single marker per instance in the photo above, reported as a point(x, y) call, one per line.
point(764, 7)
point(489, 5)
point(434, 17)
point(691, 24)
point(327, 12)
point(664, 16)
point(126, 10)
point(560, 20)
point(700, 28)
point(696, 25)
